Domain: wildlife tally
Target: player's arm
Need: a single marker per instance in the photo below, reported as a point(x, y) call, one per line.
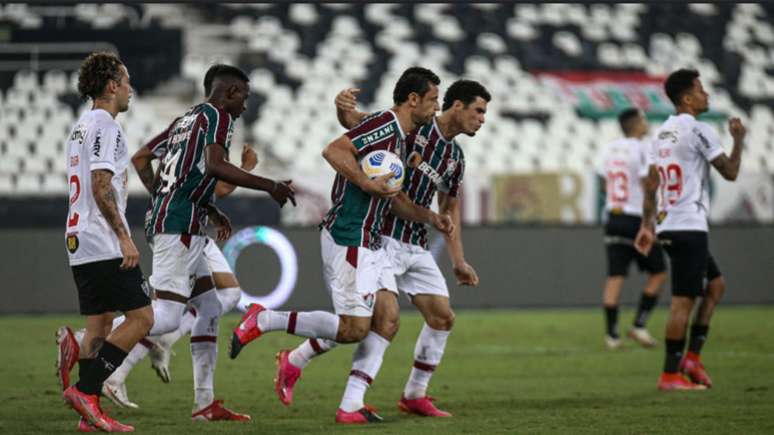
point(341, 154)
point(216, 165)
point(141, 160)
point(249, 162)
point(646, 235)
point(405, 208)
point(728, 166)
point(105, 197)
point(464, 272)
point(346, 108)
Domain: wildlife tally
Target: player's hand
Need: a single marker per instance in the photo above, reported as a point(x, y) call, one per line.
point(643, 243)
point(442, 223)
point(736, 128)
point(380, 187)
point(465, 274)
point(222, 224)
point(346, 100)
point(249, 158)
point(130, 253)
point(283, 191)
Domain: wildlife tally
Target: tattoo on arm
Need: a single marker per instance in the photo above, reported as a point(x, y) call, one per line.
point(650, 186)
point(106, 201)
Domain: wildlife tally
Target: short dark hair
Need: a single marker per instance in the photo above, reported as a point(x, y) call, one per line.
point(95, 72)
point(626, 117)
point(465, 91)
point(678, 83)
point(415, 79)
point(222, 70)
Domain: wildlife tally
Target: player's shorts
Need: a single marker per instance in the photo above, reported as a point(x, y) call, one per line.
point(216, 261)
point(176, 258)
point(103, 287)
point(620, 232)
point(692, 263)
point(352, 275)
point(413, 270)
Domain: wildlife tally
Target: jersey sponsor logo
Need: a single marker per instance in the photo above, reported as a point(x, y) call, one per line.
point(703, 139)
point(117, 150)
point(668, 135)
point(79, 133)
point(72, 243)
point(378, 134)
point(97, 146)
point(415, 161)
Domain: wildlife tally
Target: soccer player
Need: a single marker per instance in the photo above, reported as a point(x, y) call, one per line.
point(436, 164)
point(354, 260)
point(681, 153)
point(624, 167)
point(103, 257)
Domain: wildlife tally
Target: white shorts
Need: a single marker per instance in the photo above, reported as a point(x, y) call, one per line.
point(174, 263)
point(413, 270)
point(216, 261)
point(351, 274)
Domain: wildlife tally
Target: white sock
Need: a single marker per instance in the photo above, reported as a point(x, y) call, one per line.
point(366, 361)
point(186, 323)
point(138, 352)
point(302, 355)
point(311, 324)
point(166, 316)
point(204, 348)
point(229, 298)
point(427, 355)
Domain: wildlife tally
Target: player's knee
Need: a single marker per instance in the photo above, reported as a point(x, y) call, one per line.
point(441, 321)
point(229, 298)
point(387, 327)
point(352, 331)
point(145, 321)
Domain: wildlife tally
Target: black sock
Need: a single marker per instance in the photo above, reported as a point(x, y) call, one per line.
point(611, 318)
point(698, 337)
point(107, 361)
point(643, 310)
point(674, 353)
point(84, 365)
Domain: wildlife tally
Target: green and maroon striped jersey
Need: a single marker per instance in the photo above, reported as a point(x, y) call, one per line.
point(435, 164)
point(355, 219)
point(180, 200)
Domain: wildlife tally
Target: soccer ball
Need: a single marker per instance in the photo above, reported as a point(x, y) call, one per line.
point(381, 162)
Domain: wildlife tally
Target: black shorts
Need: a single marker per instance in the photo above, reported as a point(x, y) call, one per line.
point(103, 287)
point(691, 262)
point(620, 231)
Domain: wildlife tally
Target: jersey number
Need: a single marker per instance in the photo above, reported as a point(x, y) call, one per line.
point(618, 187)
point(76, 184)
point(671, 186)
point(167, 174)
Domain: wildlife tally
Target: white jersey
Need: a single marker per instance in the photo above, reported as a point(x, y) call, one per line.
point(682, 149)
point(623, 164)
point(95, 142)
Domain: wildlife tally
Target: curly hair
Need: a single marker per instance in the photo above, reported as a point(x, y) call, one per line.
point(96, 71)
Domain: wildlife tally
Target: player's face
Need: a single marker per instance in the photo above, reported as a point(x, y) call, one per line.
point(472, 117)
point(124, 91)
point(236, 98)
point(426, 106)
point(699, 99)
point(641, 128)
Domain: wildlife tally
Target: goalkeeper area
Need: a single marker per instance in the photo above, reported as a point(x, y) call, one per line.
point(504, 371)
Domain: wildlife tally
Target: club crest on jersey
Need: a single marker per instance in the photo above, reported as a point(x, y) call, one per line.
point(420, 140)
point(369, 300)
point(72, 243)
point(78, 134)
point(451, 165)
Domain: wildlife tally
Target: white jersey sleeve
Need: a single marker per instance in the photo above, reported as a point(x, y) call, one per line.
point(104, 138)
point(706, 141)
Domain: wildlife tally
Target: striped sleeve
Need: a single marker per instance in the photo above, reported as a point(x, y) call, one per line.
point(217, 126)
point(158, 145)
point(364, 134)
point(455, 181)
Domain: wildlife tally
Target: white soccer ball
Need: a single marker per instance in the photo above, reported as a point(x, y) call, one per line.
point(381, 162)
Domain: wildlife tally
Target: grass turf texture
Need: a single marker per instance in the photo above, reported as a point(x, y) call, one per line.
point(522, 371)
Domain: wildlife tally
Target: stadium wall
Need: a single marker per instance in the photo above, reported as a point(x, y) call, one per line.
point(524, 266)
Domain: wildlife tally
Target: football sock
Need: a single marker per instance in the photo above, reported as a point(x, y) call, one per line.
point(138, 352)
point(302, 355)
point(644, 309)
point(107, 360)
point(611, 320)
point(204, 346)
point(674, 353)
point(229, 298)
point(366, 361)
point(698, 338)
point(83, 366)
point(311, 324)
point(427, 355)
point(166, 316)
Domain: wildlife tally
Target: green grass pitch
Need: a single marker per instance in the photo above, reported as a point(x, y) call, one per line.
point(516, 371)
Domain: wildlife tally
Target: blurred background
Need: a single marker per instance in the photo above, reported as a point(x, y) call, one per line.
point(559, 74)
